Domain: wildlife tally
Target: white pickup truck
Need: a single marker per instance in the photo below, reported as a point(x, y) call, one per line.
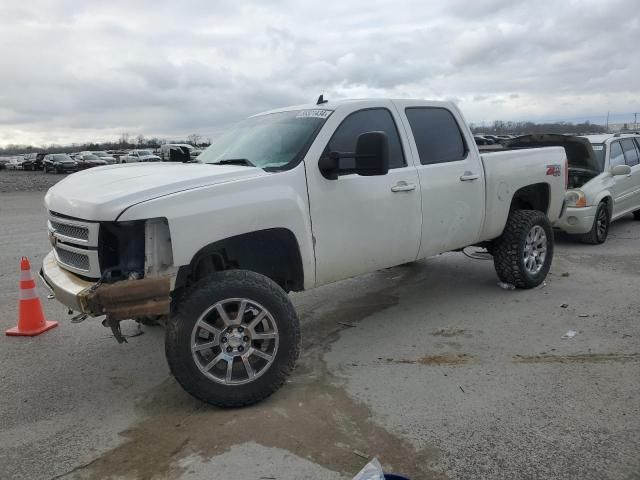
point(286, 201)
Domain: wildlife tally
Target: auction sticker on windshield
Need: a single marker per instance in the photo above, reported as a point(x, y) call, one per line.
point(318, 113)
point(597, 147)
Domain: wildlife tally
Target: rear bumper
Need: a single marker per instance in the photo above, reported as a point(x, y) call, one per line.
point(577, 220)
point(120, 300)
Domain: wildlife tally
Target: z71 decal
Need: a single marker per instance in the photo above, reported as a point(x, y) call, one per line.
point(554, 170)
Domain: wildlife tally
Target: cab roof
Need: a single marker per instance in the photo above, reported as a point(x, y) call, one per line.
point(364, 102)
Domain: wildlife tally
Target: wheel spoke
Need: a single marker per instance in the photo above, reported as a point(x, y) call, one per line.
point(257, 320)
point(261, 354)
point(263, 336)
point(209, 328)
point(241, 309)
point(229, 375)
point(248, 367)
point(214, 362)
point(223, 314)
point(204, 346)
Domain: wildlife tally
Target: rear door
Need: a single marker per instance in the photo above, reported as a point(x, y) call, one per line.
point(362, 223)
point(451, 177)
point(632, 158)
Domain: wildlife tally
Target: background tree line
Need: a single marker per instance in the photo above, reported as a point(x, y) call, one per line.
point(499, 127)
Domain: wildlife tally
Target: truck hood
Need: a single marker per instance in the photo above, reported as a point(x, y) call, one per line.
point(103, 193)
point(579, 150)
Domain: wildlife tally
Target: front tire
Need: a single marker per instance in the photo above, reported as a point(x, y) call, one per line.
point(234, 339)
point(522, 255)
point(600, 229)
point(636, 215)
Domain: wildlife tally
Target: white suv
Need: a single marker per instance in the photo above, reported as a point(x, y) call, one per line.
point(595, 199)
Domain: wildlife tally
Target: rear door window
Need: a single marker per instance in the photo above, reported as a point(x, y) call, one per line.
point(630, 152)
point(437, 135)
point(616, 156)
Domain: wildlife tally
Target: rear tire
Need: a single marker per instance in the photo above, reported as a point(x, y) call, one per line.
point(214, 351)
point(636, 214)
point(522, 255)
point(600, 228)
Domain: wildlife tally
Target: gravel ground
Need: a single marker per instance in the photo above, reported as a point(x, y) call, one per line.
point(26, 181)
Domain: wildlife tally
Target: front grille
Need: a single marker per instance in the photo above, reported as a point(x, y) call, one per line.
point(73, 259)
point(71, 231)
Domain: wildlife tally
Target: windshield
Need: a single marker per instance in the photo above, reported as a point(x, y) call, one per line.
point(101, 154)
point(267, 141)
point(90, 157)
point(61, 157)
point(598, 149)
point(144, 152)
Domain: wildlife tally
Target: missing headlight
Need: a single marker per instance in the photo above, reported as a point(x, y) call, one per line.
point(121, 250)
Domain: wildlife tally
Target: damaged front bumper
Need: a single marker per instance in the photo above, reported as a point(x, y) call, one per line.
point(119, 301)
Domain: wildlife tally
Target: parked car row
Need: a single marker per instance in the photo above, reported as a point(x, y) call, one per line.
point(173, 152)
point(486, 139)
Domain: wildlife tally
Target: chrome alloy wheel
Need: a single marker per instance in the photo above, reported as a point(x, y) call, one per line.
point(535, 249)
point(234, 341)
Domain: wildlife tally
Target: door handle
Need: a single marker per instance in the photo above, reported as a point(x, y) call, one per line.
point(469, 177)
point(403, 187)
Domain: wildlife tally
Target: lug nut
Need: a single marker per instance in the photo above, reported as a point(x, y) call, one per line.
point(229, 330)
point(229, 349)
point(223, 339)
point(245, 339)
point(240, 348)
point(240, 329)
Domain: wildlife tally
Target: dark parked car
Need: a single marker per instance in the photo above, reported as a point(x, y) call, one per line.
point(88, 161)
point(481, 140)
point(59, 163)
point(33, 161)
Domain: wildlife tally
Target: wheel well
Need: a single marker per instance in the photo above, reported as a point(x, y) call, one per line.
point(609, 203)
point(532, 197)
point(273, 253)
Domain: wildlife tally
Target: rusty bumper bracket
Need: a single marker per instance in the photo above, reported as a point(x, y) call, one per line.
point(129, 299)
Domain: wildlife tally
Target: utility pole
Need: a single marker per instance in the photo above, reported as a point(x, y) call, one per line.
point(607, 122)
point(635, 123)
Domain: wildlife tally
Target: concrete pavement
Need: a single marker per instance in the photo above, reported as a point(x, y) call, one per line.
point(430, 367)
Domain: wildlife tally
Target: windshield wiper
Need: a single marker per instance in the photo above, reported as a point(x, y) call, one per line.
point(234, 161)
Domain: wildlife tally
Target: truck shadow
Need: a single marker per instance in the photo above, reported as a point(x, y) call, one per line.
point(311, 416)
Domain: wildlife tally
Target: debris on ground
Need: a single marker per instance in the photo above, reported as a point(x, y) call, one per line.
point(570, 334)
point(350, 325)
point(583, 315)
point(565, 274)
point(564, 305)
point(360, 454)
point(506, 286)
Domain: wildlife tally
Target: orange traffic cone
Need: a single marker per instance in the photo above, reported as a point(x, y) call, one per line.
point(31, 320)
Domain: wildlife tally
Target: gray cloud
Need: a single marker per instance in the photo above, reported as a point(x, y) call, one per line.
point(75, 71)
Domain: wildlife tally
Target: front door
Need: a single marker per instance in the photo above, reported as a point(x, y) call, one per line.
point(624, 185)
point(362, 223)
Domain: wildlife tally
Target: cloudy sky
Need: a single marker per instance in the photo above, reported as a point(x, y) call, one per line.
point(79, 70)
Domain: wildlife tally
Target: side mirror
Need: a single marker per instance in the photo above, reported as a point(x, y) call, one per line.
point(371, 157)
point(621, 170)
point(372, 154)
